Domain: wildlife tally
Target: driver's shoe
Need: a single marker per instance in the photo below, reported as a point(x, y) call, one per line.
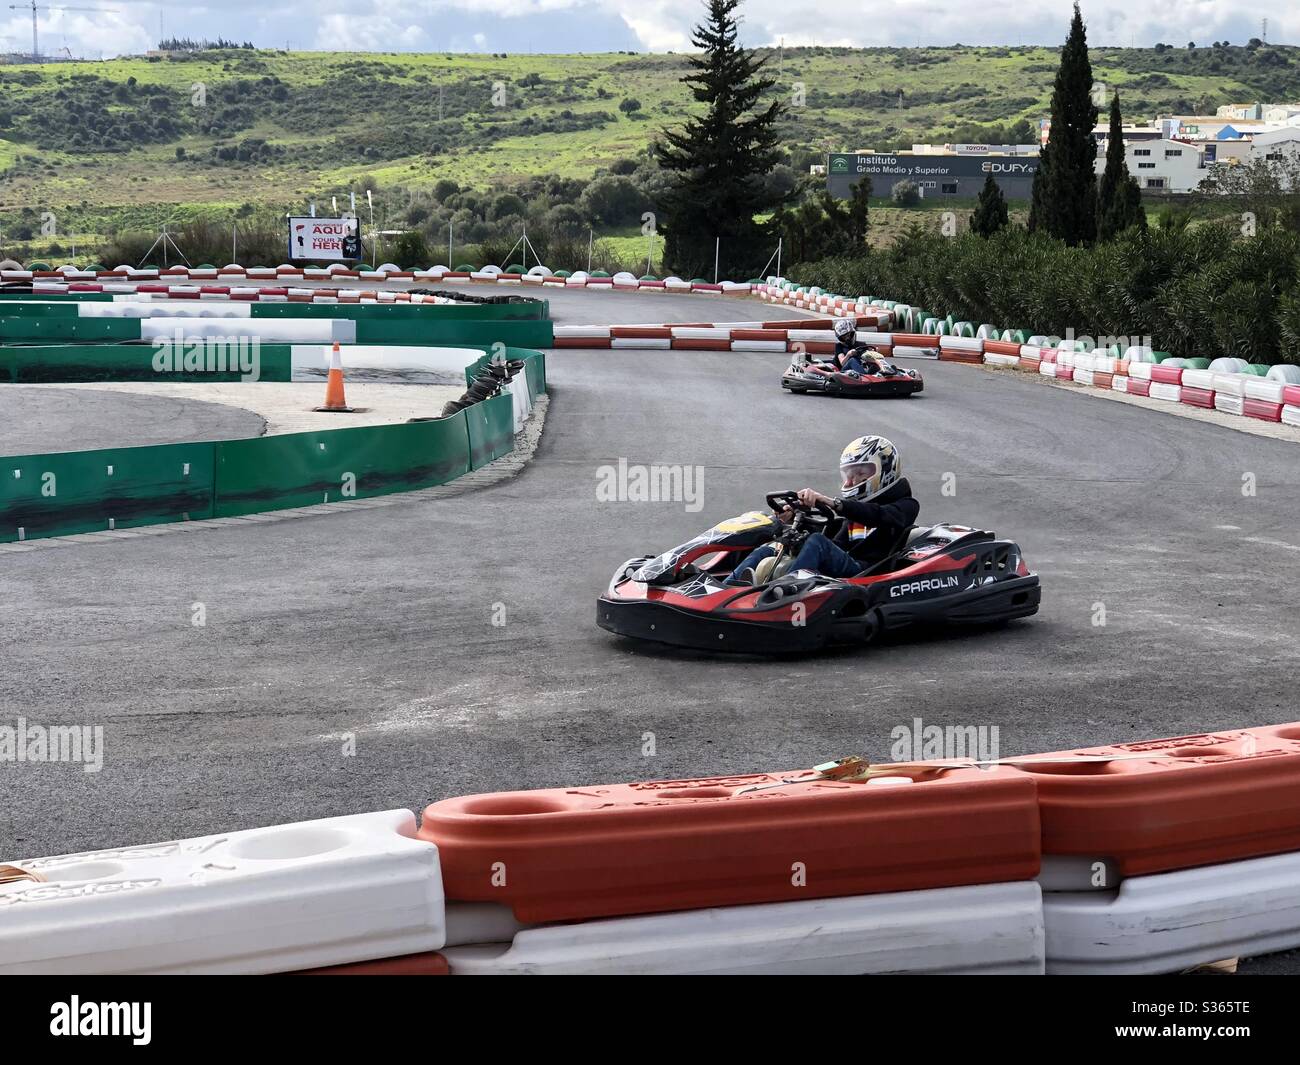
point(746, 578)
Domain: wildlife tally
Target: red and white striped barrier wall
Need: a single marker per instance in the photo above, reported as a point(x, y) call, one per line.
point(1212, 871)
point(1227, 385)
point(810, 335)
point(538, 275)
point(242, 293)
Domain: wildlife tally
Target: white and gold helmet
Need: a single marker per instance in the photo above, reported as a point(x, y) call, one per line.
point(875, 457)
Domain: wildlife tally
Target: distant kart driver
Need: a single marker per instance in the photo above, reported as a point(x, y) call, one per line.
point(850, 356)
point(875, 503)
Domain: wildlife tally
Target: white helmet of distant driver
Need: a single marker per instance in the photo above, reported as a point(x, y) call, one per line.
point(845, 328)
point(878, 459)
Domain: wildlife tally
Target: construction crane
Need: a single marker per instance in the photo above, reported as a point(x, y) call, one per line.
point(32, 6)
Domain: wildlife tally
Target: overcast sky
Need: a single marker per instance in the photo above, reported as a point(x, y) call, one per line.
point(642, 25)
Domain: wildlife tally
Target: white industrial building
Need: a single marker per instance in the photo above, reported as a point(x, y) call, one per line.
point(1161, 164)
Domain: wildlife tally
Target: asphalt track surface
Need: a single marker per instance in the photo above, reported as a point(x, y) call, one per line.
point(378, 624)
point(36, 421)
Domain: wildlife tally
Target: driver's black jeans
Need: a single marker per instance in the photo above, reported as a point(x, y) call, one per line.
point(818, 553)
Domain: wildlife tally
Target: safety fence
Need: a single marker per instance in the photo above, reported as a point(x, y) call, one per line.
point(88, 491)
point(1140, 857)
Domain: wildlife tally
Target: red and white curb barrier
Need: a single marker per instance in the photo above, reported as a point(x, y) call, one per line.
point(540, 276)
point(811, 335)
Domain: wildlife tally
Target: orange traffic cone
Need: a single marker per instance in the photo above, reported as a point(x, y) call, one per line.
point(334, 400)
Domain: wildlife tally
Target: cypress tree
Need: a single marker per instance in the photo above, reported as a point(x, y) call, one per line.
point(858, 220)
point(1119, 200)
point(1065, 186)
point(990, 212)
point(717, 162)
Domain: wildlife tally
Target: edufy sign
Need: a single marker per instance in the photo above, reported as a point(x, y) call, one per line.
point(324, 238)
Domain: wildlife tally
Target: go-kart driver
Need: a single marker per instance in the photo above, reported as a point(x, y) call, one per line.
point(876, 504)
point(850, 356)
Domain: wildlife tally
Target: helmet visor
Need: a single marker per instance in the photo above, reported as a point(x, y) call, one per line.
point(856, 473)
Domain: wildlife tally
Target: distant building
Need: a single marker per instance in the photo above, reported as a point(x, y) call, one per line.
point(1162, 164)
point(938, 174)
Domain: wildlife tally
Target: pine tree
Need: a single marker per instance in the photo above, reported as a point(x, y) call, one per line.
point(1119, 200)
point(1065, 186)
point(990, 212)
point(717, 162)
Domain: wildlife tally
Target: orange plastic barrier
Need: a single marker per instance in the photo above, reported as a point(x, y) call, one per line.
point(960, 355)
point(1002, 347)
point(605, 850)
point(1102, 379)
point(758, 334)
point(1213, 798)
point(701, 344)
point(642, 332)
point(580, 342)
point(430, 963)
point(915, 340)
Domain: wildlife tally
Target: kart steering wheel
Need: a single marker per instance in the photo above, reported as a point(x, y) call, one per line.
point(779, 501)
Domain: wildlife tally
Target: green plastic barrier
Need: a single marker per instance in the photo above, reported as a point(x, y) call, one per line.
point(396, 312)
point(491, 425)
point(326, 466)
point(1196, 364)
point(143, 362)
point(70, 297)
point(79, 329)
point(530, 334)
point(90, 491)
point(64, 309)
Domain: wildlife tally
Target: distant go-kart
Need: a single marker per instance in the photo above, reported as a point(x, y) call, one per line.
point(891, 380)
point(937, 575)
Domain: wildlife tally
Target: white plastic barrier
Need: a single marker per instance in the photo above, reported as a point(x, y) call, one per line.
point(1119, 383)
point(582, 330)
point(961, 343)
point(647, 342)
point(523, 402)
point(1193, 378)
point(1138, 353)
point(163, 309)
point(758, 345)
point(267, 330)
point(1291, 414)
point(267, 900)
point(1140, 370)
point(990, 928)
point(1047, 369)
point(1168, 922)
point(907, 351)
point(1169, 393)
point(311, 361)
point(1268, 389)
point(994, 359)
point(1228, 403)
point(1232, 384)
point(696, 332)
point(1083, 377)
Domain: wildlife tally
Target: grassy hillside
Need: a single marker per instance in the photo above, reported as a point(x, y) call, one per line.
point(131, 142)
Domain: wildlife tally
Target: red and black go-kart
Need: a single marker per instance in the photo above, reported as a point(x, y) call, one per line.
point(938, 575)
point(891, 380)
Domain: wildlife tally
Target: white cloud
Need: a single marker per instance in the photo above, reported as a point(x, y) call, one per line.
point(656, 25)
